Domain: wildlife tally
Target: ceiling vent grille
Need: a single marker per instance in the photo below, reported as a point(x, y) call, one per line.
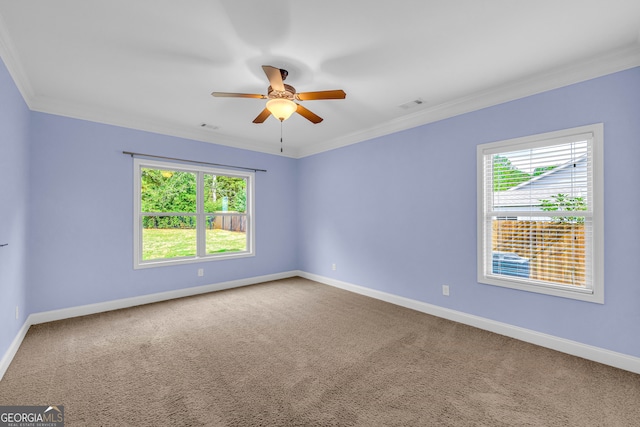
point(208, 126)
point(412, 104)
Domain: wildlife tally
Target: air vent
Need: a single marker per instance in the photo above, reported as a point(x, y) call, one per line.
point(412, 104)
point(208, 126)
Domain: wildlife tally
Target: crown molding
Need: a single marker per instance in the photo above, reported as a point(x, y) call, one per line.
point(59, 108)
point(612, 62)
point(66, 109)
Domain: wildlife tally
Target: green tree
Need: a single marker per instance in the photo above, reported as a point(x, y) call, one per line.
point(168, 191)
point(562, 202)
point(542, 169)
point(505, 175)
point(175, 191)
point(217, 187)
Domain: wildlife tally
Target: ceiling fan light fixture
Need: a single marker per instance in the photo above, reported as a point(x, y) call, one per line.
point(281, 98)
point(281, 108)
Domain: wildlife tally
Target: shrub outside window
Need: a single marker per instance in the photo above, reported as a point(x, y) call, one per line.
point(540, 213)
point(186, 214)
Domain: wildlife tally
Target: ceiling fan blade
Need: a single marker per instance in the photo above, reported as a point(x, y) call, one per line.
point(312, 117)
point(262, 116)
point(238, 95)
point(274, 76)
point(324, 94)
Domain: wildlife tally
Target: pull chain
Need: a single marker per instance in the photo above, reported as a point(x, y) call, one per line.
point(281, 135)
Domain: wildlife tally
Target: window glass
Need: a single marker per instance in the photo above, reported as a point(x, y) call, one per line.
point(225, 193)
point(539, 219)
point(185, 214)
point(168, 191)
point(166, 237)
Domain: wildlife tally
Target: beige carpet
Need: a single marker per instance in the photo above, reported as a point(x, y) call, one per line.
point(297, 353)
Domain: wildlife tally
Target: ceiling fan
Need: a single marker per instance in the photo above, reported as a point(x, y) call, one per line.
point(281, 97)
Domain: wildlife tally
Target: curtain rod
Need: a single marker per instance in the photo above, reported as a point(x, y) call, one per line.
point(193, 161)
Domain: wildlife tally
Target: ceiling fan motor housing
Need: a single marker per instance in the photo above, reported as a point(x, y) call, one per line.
point(288, 93)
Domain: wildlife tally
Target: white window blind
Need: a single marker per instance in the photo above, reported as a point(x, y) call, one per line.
point(539, 212)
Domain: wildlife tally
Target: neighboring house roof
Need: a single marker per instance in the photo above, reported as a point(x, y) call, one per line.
point(568, 178)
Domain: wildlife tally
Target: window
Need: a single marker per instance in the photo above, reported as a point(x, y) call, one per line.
point(188, 214)
point(540, 213)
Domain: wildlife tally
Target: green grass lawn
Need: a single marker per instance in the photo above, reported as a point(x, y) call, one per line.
point(171, 243)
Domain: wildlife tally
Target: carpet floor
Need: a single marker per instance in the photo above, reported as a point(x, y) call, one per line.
point(297, 353)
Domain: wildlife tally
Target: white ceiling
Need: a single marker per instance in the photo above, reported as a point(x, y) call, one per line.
point(152, 64)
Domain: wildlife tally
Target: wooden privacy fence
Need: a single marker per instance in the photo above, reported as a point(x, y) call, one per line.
point(556, 251)
point(230, 222)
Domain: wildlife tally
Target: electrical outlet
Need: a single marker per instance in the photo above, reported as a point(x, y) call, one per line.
point(200, 272)
point(17, 312)
point(445, 290)
point(334, 267)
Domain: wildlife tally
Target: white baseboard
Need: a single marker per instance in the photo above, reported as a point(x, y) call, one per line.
point(84, 310)
point(13, 348)
point(596, 354)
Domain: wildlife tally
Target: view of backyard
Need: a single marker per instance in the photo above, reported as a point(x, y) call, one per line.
point(169, 213)
point(538, 230)
point(161, 243)
point(552, 251)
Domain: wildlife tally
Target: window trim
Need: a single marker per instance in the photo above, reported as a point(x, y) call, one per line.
point(139, 163)
point(596, 294)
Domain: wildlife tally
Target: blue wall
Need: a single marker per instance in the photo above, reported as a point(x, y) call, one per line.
point(398, 213)
point(14, 175)
point(81, 246)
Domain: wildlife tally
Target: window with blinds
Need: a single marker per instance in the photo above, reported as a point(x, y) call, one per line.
point(540, 213)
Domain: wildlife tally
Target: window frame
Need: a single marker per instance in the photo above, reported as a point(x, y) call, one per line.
point(594, 245)
point(200, 214)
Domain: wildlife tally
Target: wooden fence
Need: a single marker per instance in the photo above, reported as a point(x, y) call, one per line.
point(556, 251)
point(230, 222)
